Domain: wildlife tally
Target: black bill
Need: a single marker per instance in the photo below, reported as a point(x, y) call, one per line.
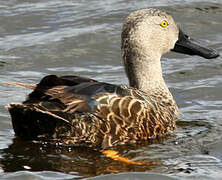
point(187, 45)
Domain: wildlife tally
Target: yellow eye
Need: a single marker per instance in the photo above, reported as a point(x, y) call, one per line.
point(164, 23)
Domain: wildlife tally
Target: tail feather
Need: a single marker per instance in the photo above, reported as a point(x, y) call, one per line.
point(29, 86)
point(31, 123)
point(51, 114)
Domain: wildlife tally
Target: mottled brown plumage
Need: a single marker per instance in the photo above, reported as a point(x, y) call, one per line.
point(90, 113)
point(80, 111)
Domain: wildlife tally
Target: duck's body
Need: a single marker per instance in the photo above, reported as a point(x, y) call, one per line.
point(74, 110)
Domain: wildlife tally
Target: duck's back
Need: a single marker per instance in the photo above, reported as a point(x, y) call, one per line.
point(74, 110)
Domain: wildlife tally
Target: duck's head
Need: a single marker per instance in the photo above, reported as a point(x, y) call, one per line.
point(153, 32)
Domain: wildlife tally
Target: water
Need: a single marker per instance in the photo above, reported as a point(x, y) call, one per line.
point(68, 37)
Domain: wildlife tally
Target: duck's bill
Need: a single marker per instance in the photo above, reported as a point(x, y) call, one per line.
point(187, 45)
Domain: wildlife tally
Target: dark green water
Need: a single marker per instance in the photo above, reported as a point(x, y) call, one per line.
point(68, 37)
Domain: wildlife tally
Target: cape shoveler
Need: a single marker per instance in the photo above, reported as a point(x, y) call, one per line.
point(76, 110)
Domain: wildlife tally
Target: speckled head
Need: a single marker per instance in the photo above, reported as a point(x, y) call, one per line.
point(150, 29)
point(148, 34)
point(156, 33)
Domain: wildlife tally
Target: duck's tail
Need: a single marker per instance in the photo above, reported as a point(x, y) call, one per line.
point(30, 123)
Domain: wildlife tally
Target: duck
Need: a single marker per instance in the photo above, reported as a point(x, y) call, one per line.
point(80, 111)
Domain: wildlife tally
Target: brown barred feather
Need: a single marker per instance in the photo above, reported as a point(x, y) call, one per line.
point(104, 119)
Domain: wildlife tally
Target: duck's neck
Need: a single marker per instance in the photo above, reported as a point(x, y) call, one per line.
point(144, 72)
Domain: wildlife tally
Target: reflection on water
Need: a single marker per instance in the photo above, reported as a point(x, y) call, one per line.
point(84, 162)
point(76, 160)
point(83, 38)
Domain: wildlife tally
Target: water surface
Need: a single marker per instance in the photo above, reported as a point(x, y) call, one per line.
point(67, 37)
